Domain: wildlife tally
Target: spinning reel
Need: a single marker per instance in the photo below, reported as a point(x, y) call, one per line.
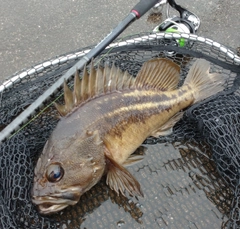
point(187, 22)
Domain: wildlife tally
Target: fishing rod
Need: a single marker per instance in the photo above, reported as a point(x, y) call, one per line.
point(137, 11)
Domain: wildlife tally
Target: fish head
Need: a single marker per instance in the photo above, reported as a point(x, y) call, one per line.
point(66, 170)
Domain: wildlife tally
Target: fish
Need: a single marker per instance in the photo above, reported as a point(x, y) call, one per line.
point(104, 120)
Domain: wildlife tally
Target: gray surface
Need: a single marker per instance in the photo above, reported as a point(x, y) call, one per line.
point(33, 31)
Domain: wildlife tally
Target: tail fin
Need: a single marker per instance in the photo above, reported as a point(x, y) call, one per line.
point(203, 83)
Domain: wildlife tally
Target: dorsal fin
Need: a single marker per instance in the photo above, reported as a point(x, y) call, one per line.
point(84, 85)
point(92, 81)
point(158, 73)
point(77, 93)
point(98, 81)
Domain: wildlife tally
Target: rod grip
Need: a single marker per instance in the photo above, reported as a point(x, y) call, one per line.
point(143, 6)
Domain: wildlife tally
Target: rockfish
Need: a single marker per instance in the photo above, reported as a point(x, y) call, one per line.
point(105, 119)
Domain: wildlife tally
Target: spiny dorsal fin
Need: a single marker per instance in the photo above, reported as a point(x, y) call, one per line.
point(69, 101)
point(84, 85)
point(98, 81)
point(92, 81)
point(77, 84)
point(158, 73)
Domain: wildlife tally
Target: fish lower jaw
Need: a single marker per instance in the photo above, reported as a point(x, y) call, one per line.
point(47, 209)
point(50, 205)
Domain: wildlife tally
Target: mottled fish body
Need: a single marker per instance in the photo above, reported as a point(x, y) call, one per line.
point(106, 118)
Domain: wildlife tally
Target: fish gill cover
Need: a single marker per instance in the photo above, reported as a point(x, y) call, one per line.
point(190, 179)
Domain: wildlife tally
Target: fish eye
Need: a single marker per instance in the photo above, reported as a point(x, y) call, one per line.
point(54, 173)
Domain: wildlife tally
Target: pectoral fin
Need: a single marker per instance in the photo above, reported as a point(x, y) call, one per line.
point(120, 179)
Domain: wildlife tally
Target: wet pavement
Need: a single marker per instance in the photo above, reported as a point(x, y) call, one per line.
point(32, 31)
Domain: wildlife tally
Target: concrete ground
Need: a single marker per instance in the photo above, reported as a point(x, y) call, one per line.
point(34, 31)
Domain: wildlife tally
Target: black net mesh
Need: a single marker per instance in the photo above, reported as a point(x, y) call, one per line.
point(190, 179)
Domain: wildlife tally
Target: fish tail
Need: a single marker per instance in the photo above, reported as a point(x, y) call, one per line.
point(203, 83)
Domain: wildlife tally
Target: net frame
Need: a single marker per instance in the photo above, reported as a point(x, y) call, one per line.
point(164, 43)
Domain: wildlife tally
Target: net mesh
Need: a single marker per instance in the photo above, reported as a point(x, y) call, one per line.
point(190, 179)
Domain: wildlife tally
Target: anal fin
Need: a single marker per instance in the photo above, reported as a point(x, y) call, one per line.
point(136, 157)
point(166, 128)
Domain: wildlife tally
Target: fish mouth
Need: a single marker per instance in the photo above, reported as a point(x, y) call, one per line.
point(55, 202)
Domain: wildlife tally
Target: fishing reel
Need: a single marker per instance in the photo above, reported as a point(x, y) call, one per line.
point(187, 22)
